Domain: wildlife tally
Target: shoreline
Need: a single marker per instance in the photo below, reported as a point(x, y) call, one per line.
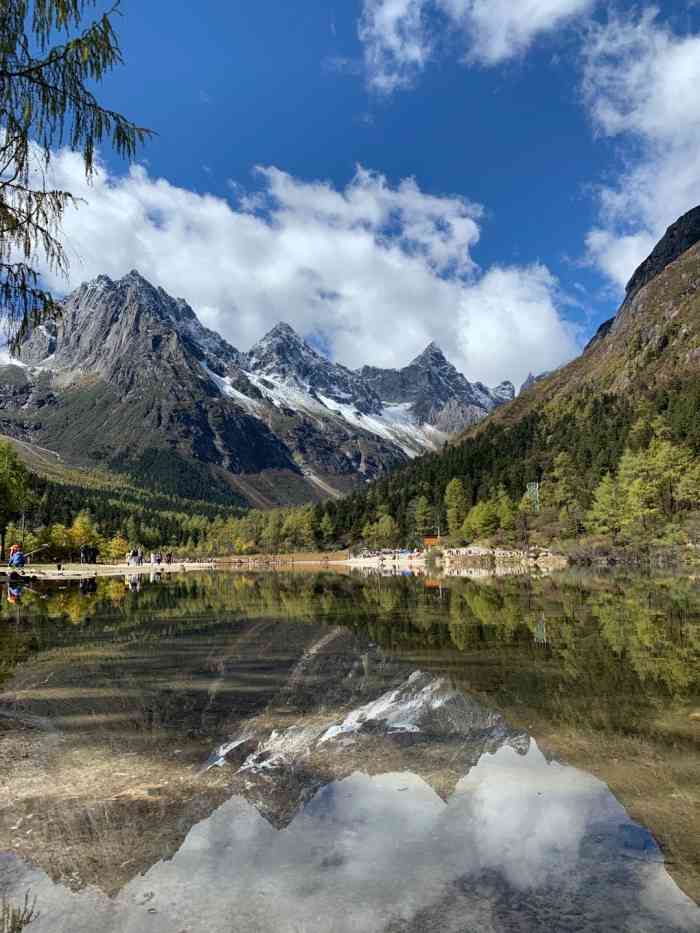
point(78, 572)
point(405, 564)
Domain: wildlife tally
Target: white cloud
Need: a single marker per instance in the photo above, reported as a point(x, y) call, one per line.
point(374, 270)
point(398, 34)
point(501, 29)
point(640, 85)
point(618, 255)
point(395, 38)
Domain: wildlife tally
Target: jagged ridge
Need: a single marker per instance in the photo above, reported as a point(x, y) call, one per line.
point(129, 378)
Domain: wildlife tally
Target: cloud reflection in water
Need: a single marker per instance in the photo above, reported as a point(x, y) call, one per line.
point(523, 843)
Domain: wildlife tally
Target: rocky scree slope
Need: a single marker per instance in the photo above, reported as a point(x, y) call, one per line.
point(129, 379)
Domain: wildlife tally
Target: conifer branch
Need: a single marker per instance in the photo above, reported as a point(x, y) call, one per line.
point(45, 103)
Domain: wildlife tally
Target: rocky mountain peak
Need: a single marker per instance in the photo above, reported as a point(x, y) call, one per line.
point(285, 356)
point(433, 355)
point(282, 331)
point(135, 278)
point(679, 237)
point(504, 391)
point(283, 351)
point(106, 323)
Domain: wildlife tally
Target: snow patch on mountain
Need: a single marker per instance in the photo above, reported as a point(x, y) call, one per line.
point(223, 383)
point(396, 423)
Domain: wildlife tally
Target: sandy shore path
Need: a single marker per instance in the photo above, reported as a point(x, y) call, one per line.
point(89, 571)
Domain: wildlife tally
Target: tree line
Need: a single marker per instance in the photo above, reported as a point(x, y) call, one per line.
point(610, 467)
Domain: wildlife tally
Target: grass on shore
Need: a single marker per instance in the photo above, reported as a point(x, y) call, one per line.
point(15, 919)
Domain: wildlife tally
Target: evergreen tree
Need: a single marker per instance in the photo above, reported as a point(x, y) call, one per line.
point(456, 504)
point(386, 531)
point(307, 529)
point(482, 521)
point(605, 515)
point(665, 465)
point(14, 489)
point(271, 534)
point(132, 531)
point(688, 487)
point(505, 509)
point(639, 511)
point(425, 519)
point(46, 102)
point(565, 485)
point(326, 530)
point(83, 530)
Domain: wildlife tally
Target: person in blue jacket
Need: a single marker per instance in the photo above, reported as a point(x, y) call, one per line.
point(17, 558)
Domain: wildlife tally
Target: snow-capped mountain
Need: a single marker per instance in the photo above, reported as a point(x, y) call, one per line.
point(283, 358)
point(435, 392)
point(129, 378)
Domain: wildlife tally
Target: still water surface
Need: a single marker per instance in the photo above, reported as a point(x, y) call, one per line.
point(315, 752)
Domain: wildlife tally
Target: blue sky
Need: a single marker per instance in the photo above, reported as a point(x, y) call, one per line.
point(530, 135)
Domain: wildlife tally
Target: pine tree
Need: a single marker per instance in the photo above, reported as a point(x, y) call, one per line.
point(369, 535)
point(666, 465)
point(566, 483)
point(271, 534)
point(425, 519)
point(505, 509)
point(386, 531)
point(482, 521)
point(46, 102)
point(639, 512)
point(456, 503)
point(326, 530)
point(307, 529)
point(605, 514)
point(688, 487)
point(14, 489)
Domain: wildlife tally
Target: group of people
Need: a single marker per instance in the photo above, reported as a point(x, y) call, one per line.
point(158, 558)
point(88, 554)
point(136, 558)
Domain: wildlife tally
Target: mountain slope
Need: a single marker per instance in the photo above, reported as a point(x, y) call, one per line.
point(128, 379)
point(645, 361)
point(652, 342)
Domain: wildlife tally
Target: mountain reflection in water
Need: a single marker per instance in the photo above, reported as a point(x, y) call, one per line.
point(521, 844)
point(259, 753)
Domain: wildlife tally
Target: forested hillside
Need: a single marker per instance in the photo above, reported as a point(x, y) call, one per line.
point(635, 384)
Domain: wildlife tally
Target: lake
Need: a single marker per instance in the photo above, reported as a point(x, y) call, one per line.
point(317, 752)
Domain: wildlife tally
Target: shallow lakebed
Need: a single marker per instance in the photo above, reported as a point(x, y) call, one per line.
point(318, 752)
